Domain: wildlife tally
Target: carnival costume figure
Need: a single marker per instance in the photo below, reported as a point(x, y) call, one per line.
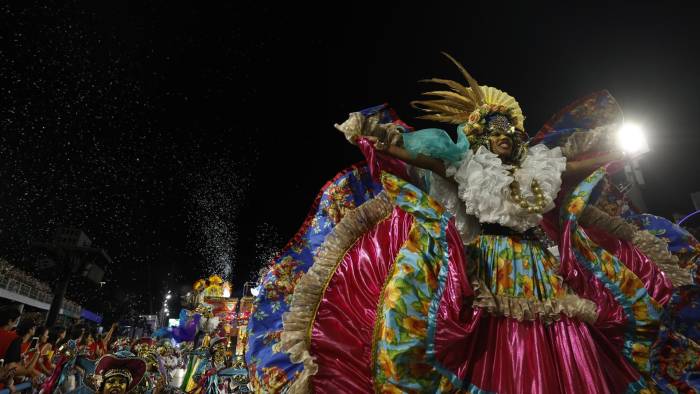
point(428, 268)
point(117, 373)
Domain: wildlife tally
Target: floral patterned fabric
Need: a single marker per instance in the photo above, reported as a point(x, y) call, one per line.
point(679, 240)
point(515, 267)
point(642, 313)
point(595, 110)
point(271, 370)
point(402, 332)
point(427, 339)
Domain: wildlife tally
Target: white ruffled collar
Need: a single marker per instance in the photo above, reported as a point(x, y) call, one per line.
point(484, 185)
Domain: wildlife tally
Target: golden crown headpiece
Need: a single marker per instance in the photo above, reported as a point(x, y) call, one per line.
point(478, 109)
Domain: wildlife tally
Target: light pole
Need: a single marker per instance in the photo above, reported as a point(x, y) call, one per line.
point(165, 310)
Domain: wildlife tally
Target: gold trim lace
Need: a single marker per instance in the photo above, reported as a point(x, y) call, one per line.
point(522, 309)
point(655, 248)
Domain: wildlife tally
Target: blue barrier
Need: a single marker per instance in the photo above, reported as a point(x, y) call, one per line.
point(24, 386)
point(92, 316)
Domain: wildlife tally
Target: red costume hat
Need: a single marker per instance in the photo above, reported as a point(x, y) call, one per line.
point(120, 363)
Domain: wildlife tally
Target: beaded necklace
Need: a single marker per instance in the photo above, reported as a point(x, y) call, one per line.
point(516, 195)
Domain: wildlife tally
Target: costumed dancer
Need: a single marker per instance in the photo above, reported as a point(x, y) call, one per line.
point(145, 348)
point(434, 274)
point(117, 373)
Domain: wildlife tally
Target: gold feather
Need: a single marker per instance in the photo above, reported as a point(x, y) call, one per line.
point(438, 106)
point(455, 104)
point(456, 86)
point(452, 96)
point(454, 119)
point(472, 82)
point(435, 106)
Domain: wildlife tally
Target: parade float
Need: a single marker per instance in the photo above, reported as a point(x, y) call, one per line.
point(205, 351)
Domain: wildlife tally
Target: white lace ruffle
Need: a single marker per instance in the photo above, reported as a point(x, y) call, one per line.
point(484, 185)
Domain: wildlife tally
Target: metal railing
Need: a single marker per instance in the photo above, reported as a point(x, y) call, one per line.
point(24, 289)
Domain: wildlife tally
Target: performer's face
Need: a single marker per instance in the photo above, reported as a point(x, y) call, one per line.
point(219, 354)
point(115, 384)
point(501, 144)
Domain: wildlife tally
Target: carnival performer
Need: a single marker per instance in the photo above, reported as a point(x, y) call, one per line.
point(218, 352)
point(117, 373)
point(434, 274)
point(154, 378)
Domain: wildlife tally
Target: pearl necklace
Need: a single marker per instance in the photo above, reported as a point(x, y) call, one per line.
point(538, 206)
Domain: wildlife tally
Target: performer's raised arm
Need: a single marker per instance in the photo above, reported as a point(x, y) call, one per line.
point(422, 161)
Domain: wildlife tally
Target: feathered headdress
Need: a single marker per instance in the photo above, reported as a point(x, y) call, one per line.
point(476, 108)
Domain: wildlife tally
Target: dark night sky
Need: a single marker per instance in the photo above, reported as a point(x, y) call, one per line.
point(183, 138)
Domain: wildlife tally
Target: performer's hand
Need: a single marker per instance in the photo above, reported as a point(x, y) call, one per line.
point(354, 127)
point(378, 145)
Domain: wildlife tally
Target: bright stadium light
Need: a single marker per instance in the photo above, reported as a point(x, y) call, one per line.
point(631, 139)
point(255, 291)
point(167, 297)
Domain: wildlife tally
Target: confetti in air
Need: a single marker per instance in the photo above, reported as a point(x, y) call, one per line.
point(268, 244)
point(215, 197)
point(100, 131)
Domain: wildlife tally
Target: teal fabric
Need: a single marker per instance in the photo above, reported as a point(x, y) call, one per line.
point(436, 143)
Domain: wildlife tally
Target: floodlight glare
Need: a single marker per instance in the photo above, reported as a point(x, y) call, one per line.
point(631, 139)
